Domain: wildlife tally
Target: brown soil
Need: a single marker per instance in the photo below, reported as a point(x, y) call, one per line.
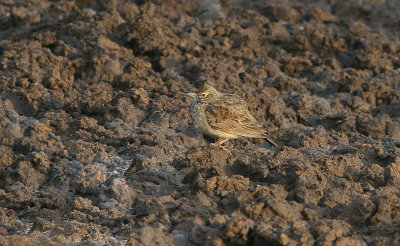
point(98, 147)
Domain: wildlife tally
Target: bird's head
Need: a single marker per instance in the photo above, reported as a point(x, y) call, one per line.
point(207, 94)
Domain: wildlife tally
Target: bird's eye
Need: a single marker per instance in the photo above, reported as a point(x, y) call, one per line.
point(203, 94)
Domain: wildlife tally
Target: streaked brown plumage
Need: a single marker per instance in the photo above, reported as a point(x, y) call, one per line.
point(225, 116)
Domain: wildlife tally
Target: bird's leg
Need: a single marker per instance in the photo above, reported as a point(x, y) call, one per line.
point(272, 142)
point(219, 144)
point(220, 141)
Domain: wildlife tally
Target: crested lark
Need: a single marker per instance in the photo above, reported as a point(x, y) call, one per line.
point(225, 116)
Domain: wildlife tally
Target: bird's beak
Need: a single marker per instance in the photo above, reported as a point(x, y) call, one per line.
point(191, 95)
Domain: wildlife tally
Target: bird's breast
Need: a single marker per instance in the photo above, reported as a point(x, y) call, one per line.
point(198, 111)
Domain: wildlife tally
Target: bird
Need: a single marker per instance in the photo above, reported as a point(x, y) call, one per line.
point(225, 116)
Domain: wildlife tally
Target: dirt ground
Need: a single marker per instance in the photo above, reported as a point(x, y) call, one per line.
point(98, 146)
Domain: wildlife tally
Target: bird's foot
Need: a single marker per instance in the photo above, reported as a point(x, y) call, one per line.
point(218, 145)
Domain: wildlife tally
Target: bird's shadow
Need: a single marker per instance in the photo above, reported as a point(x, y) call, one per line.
point(208, 138)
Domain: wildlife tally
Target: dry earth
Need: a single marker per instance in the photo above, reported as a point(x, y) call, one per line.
point(98, 147)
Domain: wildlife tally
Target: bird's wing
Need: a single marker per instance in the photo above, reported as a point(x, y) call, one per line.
point(231, 115)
